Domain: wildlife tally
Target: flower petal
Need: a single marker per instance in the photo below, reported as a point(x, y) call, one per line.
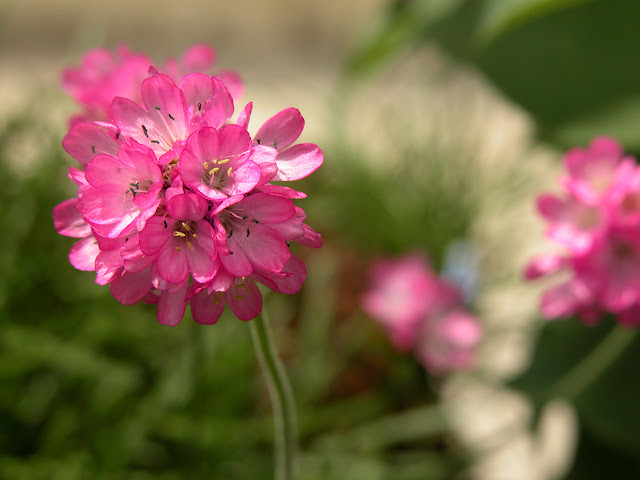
point(244, 300)
point(206, 308)
point(281, 130)
point(298, 161)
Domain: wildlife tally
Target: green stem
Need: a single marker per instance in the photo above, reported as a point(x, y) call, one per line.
point(580, 377)
point(284, 417)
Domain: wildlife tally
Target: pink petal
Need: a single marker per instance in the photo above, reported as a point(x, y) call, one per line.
point(289, 280)
point(86, 140)
point(198, 58)
point(559, 301)
point(106, 206)
point(187, 206)
point(131, 287)
point(206, 308)
point(134, 259)
point(161, 284)
point(244, 300)
point(282, 191)
point(551, 207)
point(233, 82)
point(237, 262)
point(222, 281)
point(266, 208)
point(142, 160)
point(105, 170)
point(156, 233)
point(208, 97)
point(83, 254)
point(245, 115)
point(243, 179)
point(310, 238)
point(202, 257)
point(265, 248)
point(281, 130)
point(172, 262)
point(77, 176)
point(166, 106)
point(266, 158)
point(606, 146)
point(108, 264)
point(68, 221)
point(545, 265)
point(235, 141)
point(130, 117)
point(171, 307)
point(298, 161)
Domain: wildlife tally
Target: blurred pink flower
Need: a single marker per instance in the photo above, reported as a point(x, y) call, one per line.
point(596, 219)
point(448, 342)
point(423, 313)
point(104, 75)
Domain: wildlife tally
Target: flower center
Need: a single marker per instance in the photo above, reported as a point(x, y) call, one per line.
point(138, 186)
point(187, 232)
point(216, 173)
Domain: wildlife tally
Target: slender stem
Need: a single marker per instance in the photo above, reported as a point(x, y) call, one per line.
point(580, 377)
point(284, 417)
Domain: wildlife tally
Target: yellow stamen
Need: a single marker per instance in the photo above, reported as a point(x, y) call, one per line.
point(206, 165)
point(179, 249)
point(194, 235)
point(179, 234)
point(229, 171)
point(186, 227)
point(213, 170)
point(190, 245)
point(222, 162)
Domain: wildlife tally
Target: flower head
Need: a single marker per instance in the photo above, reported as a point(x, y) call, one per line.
point(596, 220)
point(174, 204)
point(423, 313)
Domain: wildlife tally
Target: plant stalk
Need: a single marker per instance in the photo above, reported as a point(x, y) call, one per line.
point(284, 416)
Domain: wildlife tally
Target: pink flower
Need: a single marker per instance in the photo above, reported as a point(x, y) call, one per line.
point(121, 190)
point(592, 171)
point(423, 313)
point(182, 240)
point(597, 223)
point(401, 292)
point(217, 164)
point(448, 342)
point(280, 132)
point(105, 75)
point(174, 204)
point(572, 223)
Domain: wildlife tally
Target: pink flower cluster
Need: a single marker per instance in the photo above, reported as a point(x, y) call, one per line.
point(175, 203)
point(423, 313)
point(596, 219)
point(104, 75)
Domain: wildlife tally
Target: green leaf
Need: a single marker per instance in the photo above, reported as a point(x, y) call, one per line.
point(402, 26)
point(596, 368)
point(500, 16)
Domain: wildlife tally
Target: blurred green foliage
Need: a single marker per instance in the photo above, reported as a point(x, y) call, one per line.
point(572, 64)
